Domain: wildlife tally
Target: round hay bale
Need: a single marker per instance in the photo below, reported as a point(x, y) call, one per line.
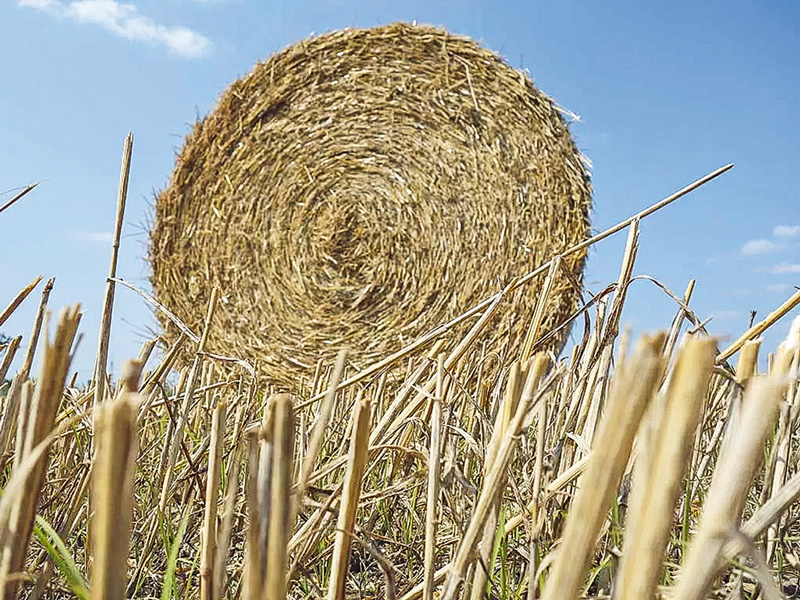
point(362, 187)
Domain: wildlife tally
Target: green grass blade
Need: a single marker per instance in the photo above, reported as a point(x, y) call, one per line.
point(61, 557)
point(172, 562)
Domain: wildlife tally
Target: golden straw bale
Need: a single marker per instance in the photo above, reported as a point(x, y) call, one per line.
point(360, 188)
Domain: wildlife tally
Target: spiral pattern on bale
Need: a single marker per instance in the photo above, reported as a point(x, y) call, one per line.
point(362, 187)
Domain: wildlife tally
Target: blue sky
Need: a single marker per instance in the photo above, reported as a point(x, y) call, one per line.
point(666, 92)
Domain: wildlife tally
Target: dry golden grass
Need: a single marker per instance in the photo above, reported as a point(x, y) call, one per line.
point(445, 471)
point(515, 473)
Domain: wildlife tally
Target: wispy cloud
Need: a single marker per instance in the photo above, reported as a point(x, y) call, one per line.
point(781, 241)
point(727, 315)
point(758, 247)
point(105, 237)
point(40, 4)
point(786, 268)
point(124, 20)
point(779, 288)
point(786, 231)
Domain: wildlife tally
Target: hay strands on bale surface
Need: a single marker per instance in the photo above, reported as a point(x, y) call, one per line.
point(361, 187)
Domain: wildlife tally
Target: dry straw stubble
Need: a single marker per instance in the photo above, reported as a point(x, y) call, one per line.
point(358, 189)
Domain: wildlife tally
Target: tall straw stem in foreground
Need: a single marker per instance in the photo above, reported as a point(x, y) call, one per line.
point(209, 535)
point(631, 391)
point(112, 487)
point(356, 461)
point(434, 484)
point(664, 452)
point(18, 504)
point(740, 457)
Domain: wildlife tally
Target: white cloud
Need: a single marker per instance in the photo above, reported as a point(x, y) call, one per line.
point(779, 288)
point(726, 315)
point(786, 268)
point(123, 19)
point(40, 4)
point(756, 247)
point(786, 231)
point(105, 237)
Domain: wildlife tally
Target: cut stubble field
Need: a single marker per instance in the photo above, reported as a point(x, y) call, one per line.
point(648, 468)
